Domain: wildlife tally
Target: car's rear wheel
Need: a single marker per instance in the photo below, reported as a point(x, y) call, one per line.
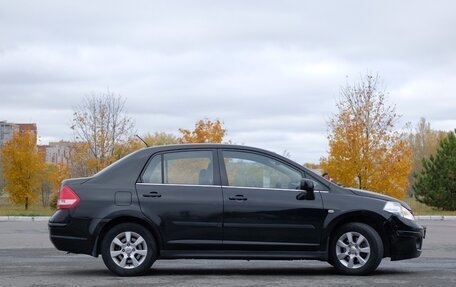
point(355, 249)
point(128, 249)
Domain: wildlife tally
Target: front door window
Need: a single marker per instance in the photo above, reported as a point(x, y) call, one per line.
point(254, 170)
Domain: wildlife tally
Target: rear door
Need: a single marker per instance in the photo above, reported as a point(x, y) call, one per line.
point(262, 211)
point(180, 191)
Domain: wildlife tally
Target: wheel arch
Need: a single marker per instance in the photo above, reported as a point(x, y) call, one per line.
point(126, 219)
point(374, 220)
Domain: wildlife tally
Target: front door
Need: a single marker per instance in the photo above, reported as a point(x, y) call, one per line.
point(180, 191)
point(261, 208)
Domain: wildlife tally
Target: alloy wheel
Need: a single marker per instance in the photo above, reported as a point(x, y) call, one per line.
point(128, 249)
point(353, 250)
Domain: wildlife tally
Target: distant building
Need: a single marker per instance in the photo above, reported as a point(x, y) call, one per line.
point(42, 151)
point(58, 152)
point(31, 127)
point(6, 131)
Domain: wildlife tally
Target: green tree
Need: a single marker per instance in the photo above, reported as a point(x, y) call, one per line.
point(424, 142)
point(22, 168)
point(435, 185)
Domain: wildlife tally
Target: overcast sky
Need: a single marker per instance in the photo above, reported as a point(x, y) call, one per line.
point(271, 70)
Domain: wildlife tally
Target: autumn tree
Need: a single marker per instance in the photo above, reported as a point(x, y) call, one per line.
point(100, 124)
point(81, 162)
point(160, 138)
point(134, 143)
point(365, 151)
point(435, 185)
point(424, 142)
point(53, 175)
point(22, 168)
point(205, 131)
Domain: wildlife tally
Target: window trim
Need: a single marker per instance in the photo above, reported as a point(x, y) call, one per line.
point(224, 175)
point(177, 184)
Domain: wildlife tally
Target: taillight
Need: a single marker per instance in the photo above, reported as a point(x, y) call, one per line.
point(67, 198)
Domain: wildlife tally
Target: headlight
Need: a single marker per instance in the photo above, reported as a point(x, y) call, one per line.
point(398, 209)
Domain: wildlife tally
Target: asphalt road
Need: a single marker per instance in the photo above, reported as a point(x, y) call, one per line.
point(27, 258)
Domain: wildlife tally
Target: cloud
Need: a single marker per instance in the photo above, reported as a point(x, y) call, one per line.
point(270, 70)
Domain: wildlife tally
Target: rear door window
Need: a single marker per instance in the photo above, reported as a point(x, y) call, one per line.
point(183, 167)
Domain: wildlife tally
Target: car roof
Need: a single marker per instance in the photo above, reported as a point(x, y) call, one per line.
point(206, 145)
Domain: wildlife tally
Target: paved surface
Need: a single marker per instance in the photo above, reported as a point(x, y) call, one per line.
point(28, 259)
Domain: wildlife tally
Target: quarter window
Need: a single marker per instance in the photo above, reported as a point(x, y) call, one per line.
point(254, 170)
point(153, 172)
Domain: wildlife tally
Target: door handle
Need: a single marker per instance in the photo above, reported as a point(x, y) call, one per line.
point(152, 194)
point(238, 197)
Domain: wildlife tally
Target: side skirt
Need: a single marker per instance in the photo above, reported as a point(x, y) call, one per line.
point(243, 255)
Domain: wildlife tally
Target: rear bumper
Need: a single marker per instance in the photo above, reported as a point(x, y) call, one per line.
point(70, 234)
point(406, 239)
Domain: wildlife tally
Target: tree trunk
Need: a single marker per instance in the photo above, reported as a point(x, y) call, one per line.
point(26, 203)
point(360, 186)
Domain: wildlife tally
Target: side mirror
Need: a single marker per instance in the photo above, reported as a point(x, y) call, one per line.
point(307, 186)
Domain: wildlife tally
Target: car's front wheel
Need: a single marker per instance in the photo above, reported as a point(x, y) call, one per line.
point(128, 249)
point(355, 249)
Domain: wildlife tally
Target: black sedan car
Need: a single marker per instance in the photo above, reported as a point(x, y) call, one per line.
point(218, 201)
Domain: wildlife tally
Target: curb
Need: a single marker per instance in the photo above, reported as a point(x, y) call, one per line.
point(24, 218)
point(46, 218)
point(435, 217)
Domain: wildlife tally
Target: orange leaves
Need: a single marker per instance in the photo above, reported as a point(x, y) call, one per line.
point(206, 131)
point(22, 168)
point(56, 173)
point(364, 150)
point(160, 138)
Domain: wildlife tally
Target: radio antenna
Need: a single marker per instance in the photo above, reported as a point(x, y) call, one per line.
point(142, 140)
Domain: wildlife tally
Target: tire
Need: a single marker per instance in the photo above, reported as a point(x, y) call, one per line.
point(128, 257)
point(355, 249)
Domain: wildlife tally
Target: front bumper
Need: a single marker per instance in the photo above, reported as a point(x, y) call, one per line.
point(406, 238)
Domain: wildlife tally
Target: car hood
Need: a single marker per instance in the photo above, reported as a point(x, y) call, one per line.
point(376, 195)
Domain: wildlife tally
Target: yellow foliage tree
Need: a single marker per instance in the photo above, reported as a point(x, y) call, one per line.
point(22, 168)
point(364, 149)
point(134, 143)
point(206, 131)
point(160, 138)
point(54, 175)
point(82, 162)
